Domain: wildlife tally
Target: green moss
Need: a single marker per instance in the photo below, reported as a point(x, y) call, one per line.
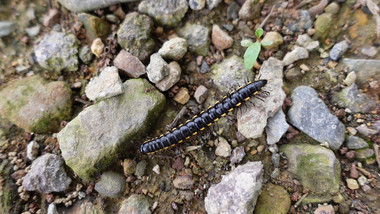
point(273, 199)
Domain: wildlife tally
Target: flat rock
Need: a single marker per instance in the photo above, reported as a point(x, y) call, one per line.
point(88, 5)
point(135, 204)
point(305, 41)
point(310, 114)
point(273, 199)
point(91, 141)
point(276, 128)
point(57, 51)
point(107, 84)
point(174, 76)
point(197, 37)
point(174, 48)
point(220, 38)
point(129, 64)
point(47, 175)
point(111, 184)
point(296, 54)
point(35, 104)
point(364, 69)
point(353, 142)
point(237, 192)
point(275, 38)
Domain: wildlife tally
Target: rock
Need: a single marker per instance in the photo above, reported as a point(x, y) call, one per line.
point(182, 96)
point(107, 84)
point(296, 54)
point(237, 192)
point(156, 169)
point(33, 31)
point(305, 41)
point(317, 169)
point(197, 4)
point(237, 155)
point(338, 50)
point(174, 48)
point(362, 180)
point(233, 11)
point(366, 131)
point(325, 209)
point(135, 204)
point(352, 184)
point(276, 127)
point(354, 142)
point(197, 37)
point(250, 10)
point(304, 22)
point(140, 168)
point(351, 98)
point(174, 76)
point(220, 38)
point(251, 123)
point(275, 39)
point(109, 127)
point(111, 184)
point(57, 51)
point(213, 3)
point(95, 26)
point(52, 209)
point(97, 47)
point(165, 12)
point(85, 54)
point(47, 175)
point(6, 28)
point(201, 94)
point(157, 69)
point(51, 18)
point(350, 79)
point(183, 182)
point(89, 5)
point(273, 199)
point(364, 154)
point(129, 64)
point(223, 149)
point(204, 68)
point(87, 205)
point(129, 167)
point(293, 74)
point(311, 115)
point(276, 160)
point(370, 51)
point(364, 69)
point(134, 35)
point(322, 25)
point(35, 104)
point(32, 150)
point(332, 8)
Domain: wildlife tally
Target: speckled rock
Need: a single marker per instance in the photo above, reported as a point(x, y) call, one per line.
point(47, 175)
point(197, 37)
point(89, 5)
point(237, 155)
point(97, 47)
point(354, 142)
point(135, 204)
point(317, 169)
point(174, 76)
point(85, 54)
point(305, 41)
point(109, 128)
point(35, 104)
point(296, 54)
point(201, 94)
point(174, 48)
point(273, 37)
point(95, 26)
point(322, 25)
point(140, 168)
point(182, 96)
point(311, 115)
point(367, 131)
point(197, 4)
point(183, 182)
point(251, 123)
point(165, 12)
point(220, 38)
point(32, 150)
point(325, 209)
point(338, 50)
point(237, 192)
point(249, 10)
point(134, 35)
point(352, 184)
point(223, 149)
point(356, 101)
point(57, 51)
point(273, 199)
point(276, 128)
point(111, 184)
point(157, 69)
point(129, 64)
point(304, 22)
point(107, 84)
point(52, 209)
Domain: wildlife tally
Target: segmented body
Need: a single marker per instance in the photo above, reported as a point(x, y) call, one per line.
point(204, 119)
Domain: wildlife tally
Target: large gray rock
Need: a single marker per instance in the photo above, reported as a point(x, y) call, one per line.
point(135, 204)
point(111, 184)
point(251, 122)
point(277, 126)
point(157, 69)
point(47, 175)
point(35, 104)
point(311, 115)
point(92, 140)
point(364, 69)
point(237, 192)
point(165, 12)
point(197, 37)
point(317, 169)
point(134, 35)
point(87, 5)
point(58, 51)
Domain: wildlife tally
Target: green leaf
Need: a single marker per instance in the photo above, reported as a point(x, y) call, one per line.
point(251, 54)
point(246, 42)
point(266, 43)
point(259, 32)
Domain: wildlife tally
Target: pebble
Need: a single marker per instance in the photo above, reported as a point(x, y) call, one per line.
point(362, 180)
point(223, 149)
point(51, 18)
point(352, 183)
point(129, 167)
point(201, 94)
point(365, 130)
point(237, 155)
point(338, 50)
point(296, 54)
point(304, 22)
point(175, 48)
point(85, 54)
point(325, 209)
point(213, 3)
point(136, 203)
point(197, 4)
point(140, 168)
point(157, 69)
point(353, 171)
point(204, 68)
point(350, 79)
point(220, 38)
point(275, 174)
point(156, 169)
point(352, 131)
point(32, 150)
point(33, 31)
point(111, 184)
point(232, 11)
point(260, 148)
point(354, 142)
point(183, 182)
point(52, 209)
point(370, 51)
point(97, 47)
point(276, 160)
point(366, 188)
point(182, 96)
point(275, 38)
point(129, 64)
point(197, 37)
point(6, 28)
point(173, 77)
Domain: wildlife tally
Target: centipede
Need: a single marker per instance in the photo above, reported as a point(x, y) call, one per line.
point(204, 119)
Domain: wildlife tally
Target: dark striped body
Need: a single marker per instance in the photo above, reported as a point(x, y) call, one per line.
point(204, 119)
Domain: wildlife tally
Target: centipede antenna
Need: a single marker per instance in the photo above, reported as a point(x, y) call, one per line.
point(176, 119)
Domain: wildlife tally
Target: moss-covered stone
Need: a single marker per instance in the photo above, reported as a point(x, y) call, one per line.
point(95, 26)
point(273, 199)
point(322, 25)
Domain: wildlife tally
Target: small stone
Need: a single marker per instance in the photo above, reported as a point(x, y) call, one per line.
point(129, 64)
point(173, 77)
point(106, 85)
point(338, 50)
point(52, 17)
point(353, 171)
point(183, 182)
point(296, 54)
point(350, 79)
point(275, 39)
point(201, 94)
point(140, 168)
point(364, 154)
point(325, 209)
point(338, 198)
point(6, 28)
point(111, 184)
point(362, 180)
point(276, 160)
point(354, 142)
point(322, 25)
point(197, 37)
point(85, 54)
point(95, 26)
point(249, 10)
point(237, 155)
point(197, 4)
point(332, 8)
point(174, 48)
point(136, 203)
point(129, 167)
point(182, 96)
point(293, 73)
point(213, 4)
point(366, 131)
point(223, 149)
point(352, 183)
point(33, 31)
point(32, 150)
point(204, 68)
point(304, 67)
point(97, 47)
point(156, 169)
point(366, 188)
point(232, 11)
point(352, 131)
point(157, 68)
point(220, 38)
point(371, 51)
point(52, 209)
point(260, 148)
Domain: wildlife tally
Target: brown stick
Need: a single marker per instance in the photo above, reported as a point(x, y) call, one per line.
point(317, 9)
point(266, 18)
point(365, 172)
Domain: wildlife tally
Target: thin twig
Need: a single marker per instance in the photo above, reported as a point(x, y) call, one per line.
point(266, 18)
point(179, 116)
point(376, 148)
point(300, 200)
point(365, 172)
point(303, 3)
point(317, 9)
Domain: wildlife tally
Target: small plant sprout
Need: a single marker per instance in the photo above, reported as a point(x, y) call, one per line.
point(253, 49)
